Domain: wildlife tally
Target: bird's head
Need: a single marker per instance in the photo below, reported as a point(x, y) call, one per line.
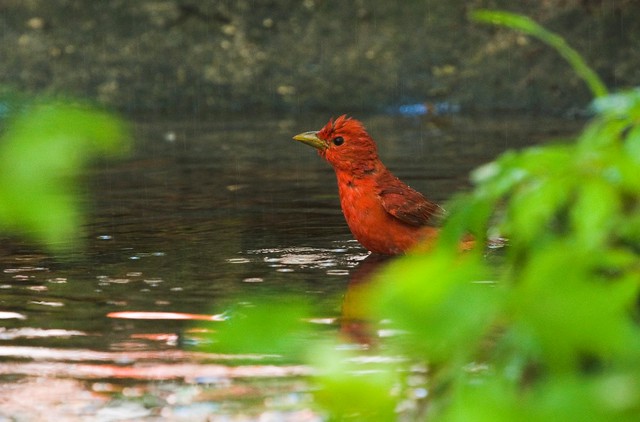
point(344, 143)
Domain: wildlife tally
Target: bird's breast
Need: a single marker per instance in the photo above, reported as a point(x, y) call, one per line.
point(369, 222)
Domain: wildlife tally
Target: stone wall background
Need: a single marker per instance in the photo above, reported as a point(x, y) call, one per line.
point(334, 55)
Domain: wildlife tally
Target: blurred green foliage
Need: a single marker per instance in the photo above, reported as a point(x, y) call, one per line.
point(557, 334)
point(549, 330)
point(354, 386)
point(43, 148)
point(272, 327)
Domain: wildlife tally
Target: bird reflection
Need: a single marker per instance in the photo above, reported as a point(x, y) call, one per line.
point(356, 324)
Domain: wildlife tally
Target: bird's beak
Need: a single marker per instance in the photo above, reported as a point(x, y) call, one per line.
point(311, 138)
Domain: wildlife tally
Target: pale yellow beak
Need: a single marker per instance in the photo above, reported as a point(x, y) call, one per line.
point(311, 138)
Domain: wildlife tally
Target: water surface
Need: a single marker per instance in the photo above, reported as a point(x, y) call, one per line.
point(206, 214)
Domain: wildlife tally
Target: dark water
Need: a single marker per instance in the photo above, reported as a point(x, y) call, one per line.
point(205, 214)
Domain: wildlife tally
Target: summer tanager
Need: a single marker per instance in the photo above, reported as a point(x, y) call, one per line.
point(384, 214)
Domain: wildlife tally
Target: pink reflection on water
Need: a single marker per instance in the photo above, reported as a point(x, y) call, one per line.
point(165, 315)
point(189, 372)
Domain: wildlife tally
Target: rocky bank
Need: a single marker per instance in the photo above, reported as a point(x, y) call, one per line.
point(302, 55)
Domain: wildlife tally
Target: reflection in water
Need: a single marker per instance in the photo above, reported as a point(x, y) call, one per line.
point(190, 225)
point(355, 322)
point(156, 316)
point(140, 365)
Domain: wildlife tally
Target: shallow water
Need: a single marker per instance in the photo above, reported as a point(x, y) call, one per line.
point(205, 214)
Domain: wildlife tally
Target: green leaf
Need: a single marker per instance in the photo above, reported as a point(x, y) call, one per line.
point(469, 214)
point(561, 301)
point(535, 210)
point(621, 105)
point(632, 144)
point(271, 327)
point(354, 386)
point(42, 153)
point(496, 179)
point(444, 302)
point(594, 213)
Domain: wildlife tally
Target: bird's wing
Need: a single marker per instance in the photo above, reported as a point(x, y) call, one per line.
point(407, 204)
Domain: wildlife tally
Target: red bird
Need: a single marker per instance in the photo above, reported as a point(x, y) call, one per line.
point(384, 214)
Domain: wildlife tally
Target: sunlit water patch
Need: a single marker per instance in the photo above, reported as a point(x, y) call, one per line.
point(336, 261)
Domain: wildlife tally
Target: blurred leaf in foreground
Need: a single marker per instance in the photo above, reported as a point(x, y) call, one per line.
point(275, 328)
point(441, 313)
point(353, 387)
point(43, 149)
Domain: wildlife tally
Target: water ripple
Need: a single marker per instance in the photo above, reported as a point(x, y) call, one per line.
point(336, 261)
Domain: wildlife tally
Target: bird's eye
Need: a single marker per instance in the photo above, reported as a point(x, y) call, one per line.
point(338, 140)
